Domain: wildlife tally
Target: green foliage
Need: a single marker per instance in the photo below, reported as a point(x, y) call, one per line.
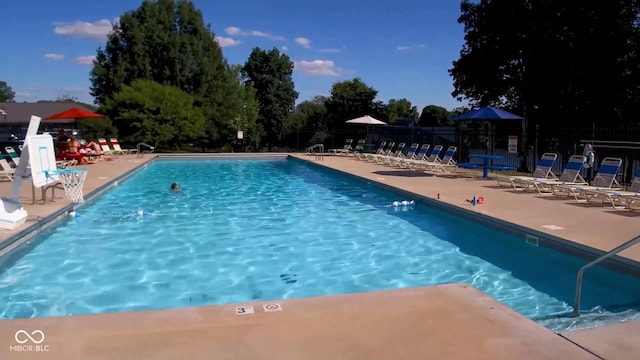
point(270, 74)
point(552, 60)
point(97, 128)
point(352, 99)
point(167, 42)
point(400, 109)
point(245, 106)
point(319, 137)
point(157, 114)
point(433, 115)
point(314, 112)
point(6, 92)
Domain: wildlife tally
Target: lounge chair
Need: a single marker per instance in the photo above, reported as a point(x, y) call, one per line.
point(118, 150)
point(605, 179)
point(420, 155)
point(6, 171)
point(104, 146)
point(570, 175)
point(13, 154)
point(445, 163)
point(363, 156)
point(346, 149)
point(422, 164)
point(543, 171)
point(633, 203)
point(619, 199)
point(385, 152)
point(410, 153)
point(390, 156)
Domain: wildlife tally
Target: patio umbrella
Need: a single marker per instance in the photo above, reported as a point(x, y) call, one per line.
point(366, 120)
point(488, 113)
point(74, 114)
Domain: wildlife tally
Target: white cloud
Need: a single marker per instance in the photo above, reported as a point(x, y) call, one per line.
point(54, 57)
point(404, 48)
point(317, 68)
point(94, 31)
point(85, 60)
point(329, 50)
point(285, 48)
point(236, 31)
point(304, 42)
point(226, 41)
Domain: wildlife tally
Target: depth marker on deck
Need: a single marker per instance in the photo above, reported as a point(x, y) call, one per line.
point(243, 310)
point(552, 227)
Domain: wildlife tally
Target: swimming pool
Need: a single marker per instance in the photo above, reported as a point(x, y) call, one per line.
point(246, 230)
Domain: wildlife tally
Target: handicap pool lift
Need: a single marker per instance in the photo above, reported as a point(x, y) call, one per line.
point(12, 213)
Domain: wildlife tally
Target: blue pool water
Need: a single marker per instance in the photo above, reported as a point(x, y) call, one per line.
point(259, 230)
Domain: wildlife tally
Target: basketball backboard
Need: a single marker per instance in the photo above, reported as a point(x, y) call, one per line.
point(42, 158)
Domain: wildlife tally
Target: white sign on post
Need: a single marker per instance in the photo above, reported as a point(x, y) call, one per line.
point(513, 145)
point(240, 134)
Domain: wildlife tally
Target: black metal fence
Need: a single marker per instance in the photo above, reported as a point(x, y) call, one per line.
point(622, 143)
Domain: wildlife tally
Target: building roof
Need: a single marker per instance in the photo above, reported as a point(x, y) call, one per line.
point(20, 113)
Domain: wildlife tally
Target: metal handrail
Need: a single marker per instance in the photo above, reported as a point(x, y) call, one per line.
point(624, 246)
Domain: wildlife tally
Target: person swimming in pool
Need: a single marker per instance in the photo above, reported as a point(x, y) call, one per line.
point(175, 187)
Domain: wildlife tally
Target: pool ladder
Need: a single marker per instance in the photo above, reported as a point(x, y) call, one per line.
point(319, 151)
point(624, 246)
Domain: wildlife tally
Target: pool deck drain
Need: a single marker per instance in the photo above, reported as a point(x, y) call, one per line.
point(438, 322)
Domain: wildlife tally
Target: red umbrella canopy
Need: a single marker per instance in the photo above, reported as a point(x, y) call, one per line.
point(74, 113)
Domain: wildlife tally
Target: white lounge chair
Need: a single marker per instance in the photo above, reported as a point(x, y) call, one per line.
point(619, 199)
point(104, 147)
point(543, 170)
point(6, 171)
point(346, 149)
point(605, 179)
point(421, 164)
point(569, 176)
point(421, 154)
point(385, 152)
point(447, 162)
point(410, 153)
point(364, 156)
point(118, 150)
point(397, 153)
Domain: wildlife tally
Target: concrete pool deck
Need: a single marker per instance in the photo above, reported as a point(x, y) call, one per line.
point(440, 322)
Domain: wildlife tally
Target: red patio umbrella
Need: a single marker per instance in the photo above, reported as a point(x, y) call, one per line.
point(74, 114)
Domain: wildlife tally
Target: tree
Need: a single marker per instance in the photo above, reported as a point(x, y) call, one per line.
point(167, 42)
point(400, 109)
point(351, 99)
point(246, 108)
point(551, 60)
point(6, 92)
point(270, 74)
point(433, 115)
point(162, 115)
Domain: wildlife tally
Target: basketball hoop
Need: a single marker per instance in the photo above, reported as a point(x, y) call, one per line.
point(72, 181)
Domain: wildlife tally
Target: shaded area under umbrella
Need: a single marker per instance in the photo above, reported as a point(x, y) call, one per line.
point(487, 113)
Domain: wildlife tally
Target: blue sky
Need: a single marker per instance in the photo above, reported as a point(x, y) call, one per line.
point(401, 48)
